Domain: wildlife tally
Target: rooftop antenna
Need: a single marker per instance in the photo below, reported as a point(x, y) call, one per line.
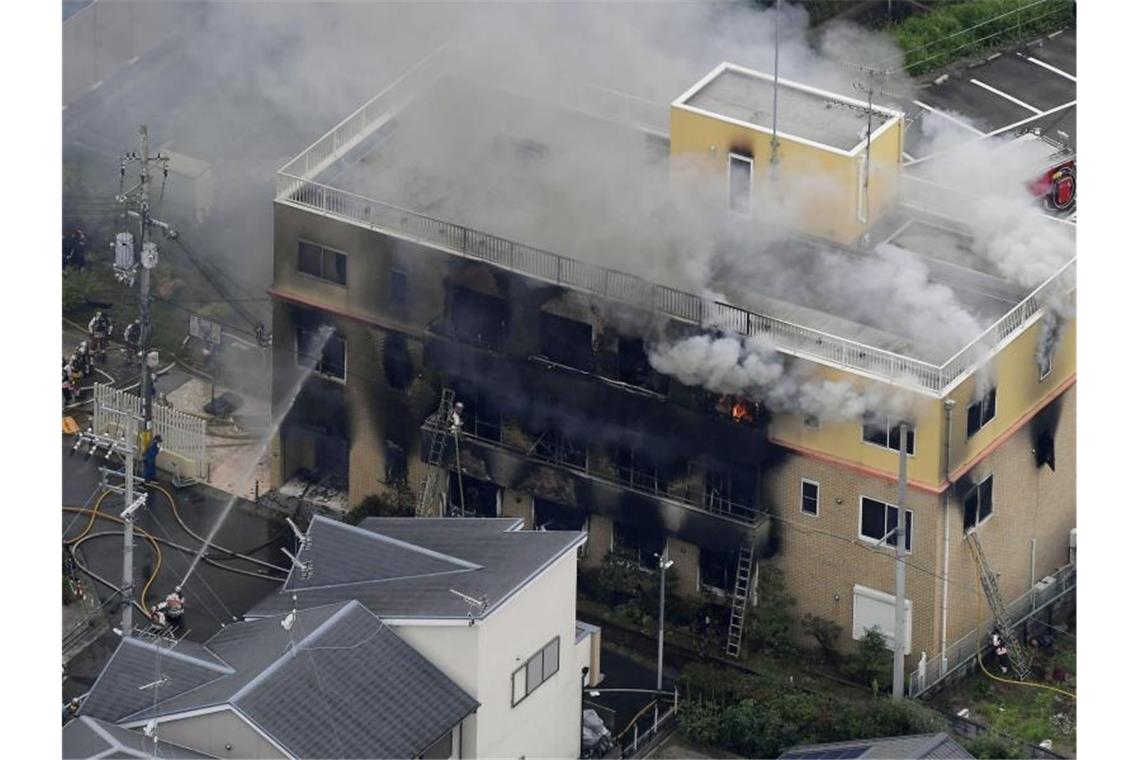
point(872, 89)
point(302, 539)
point(306, 568)
point(774, 153)
point(480, 604)
point(290, 619)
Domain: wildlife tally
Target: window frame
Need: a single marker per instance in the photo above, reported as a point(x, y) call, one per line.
point(318, 367)
point(808, 482)
point(524, 669)
point(911, 438)
point(986, 403)
point(910, 518)
point(976, 491)
point(747, 211)
point(322, 276)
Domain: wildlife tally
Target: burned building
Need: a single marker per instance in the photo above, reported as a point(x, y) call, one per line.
point(467, 238)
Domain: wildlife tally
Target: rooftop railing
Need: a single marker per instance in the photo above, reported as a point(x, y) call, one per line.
point(296, 186)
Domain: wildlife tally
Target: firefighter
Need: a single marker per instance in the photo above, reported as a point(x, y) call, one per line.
point(132, 334)
point(1001, 651)
point(75, 372)
point(158, 617)
point(150, 458)
point(70, 710)
point(100, 329)
point(456, 423)
point(68, 390)
point(172, 608)
point(83, 356)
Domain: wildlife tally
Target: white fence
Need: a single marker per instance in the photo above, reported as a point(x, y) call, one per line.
point(931, 670)
point(183, 435)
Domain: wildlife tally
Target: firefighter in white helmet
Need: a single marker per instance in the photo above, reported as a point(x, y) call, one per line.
point(172, 607)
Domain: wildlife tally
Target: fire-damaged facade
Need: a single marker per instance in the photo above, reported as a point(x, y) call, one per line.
point(565, 422)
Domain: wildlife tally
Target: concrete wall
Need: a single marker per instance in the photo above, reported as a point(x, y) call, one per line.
point(482, 658)
point(221, 734)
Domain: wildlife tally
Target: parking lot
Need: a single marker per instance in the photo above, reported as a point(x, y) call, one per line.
point(1032, 87)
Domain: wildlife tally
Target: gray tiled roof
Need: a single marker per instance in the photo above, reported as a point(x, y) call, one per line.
point(424, 560)
point(914, 747)
point(86, 738)
point(337, 683)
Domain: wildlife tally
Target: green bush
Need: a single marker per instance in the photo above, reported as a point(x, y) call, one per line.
point(954, 31)
point(769, 625)
point(871, 663)
point(826, 633)
point(989, 747)
point(701, 723)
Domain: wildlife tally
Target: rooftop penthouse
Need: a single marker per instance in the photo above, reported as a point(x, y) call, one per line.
point(537, 182)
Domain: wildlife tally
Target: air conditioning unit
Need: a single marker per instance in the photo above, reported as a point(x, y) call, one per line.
point(1043, 590)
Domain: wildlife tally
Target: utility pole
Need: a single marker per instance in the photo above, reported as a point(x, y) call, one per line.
point(663, 564)
point(871, 89)
point(900, 571)
point(125, 264)
point(774, 153)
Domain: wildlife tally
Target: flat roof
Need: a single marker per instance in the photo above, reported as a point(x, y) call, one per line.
point(804, 113)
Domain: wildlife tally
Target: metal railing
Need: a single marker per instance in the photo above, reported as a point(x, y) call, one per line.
point(931, 671)
point(295, 185)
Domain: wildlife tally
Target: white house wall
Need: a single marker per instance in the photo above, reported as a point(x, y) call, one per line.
point(212, 733)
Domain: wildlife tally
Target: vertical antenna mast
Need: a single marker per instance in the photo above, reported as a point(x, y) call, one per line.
point(774, 153)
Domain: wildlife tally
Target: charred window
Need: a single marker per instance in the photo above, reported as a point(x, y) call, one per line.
point(567, 341)
point(396, 463)
point(634, 368)
point(739, 183)
point(978, 504)
point(878, 519)
point(478, 317)
point(980, 412)
point(326, 355)
point(1043, 450)
point(398, 293)
point(730, 490)
point(476, 498)
point(718, 569)
point(887, 432)
point(397, 361)
point(325, 263)
point(641, 545)
point(550, 515)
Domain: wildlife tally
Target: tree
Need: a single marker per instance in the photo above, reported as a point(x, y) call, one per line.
point(826, 633)
point(871, 663)
point(769, 625)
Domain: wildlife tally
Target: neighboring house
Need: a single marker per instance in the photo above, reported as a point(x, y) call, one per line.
point(87, 738)
point(332, 681)
point(916, 747)
point(490, 605)
point(473, 269)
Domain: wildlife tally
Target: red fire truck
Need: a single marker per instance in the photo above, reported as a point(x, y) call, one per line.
point(1056, 185)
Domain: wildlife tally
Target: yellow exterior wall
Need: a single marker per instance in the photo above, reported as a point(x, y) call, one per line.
point(1014, 372)
point(817, 191)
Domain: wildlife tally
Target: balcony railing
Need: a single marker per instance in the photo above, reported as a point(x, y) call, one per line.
point(580, 460)
point(295, 186)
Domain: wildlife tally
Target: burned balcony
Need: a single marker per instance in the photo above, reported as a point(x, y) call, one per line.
point(476, 317)
point(567, 342)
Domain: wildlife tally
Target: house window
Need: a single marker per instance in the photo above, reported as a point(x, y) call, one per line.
point(643, 547)
point(980, 412)
point(740, 184)
point(566, 341)
point(325, 263)
point(332, 358)
point(877, 519)
point(811, 421)
point(978, 504)
point(885, 432)
point(537, 670)
point(809, 497)
point(397, 292)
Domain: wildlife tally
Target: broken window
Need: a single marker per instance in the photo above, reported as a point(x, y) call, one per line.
point(550, 515)
point(885, 431)
point(478, 498)
point(396, 463)
point(1043, 450)
point(318, 261)
point(329, 360)
point(633, 366)
point(717, 569)
point(397, 361)
point(877, 519)
point(478, 317)
point(739, 184)
point(730, 490)
point(566, 341)
point(641, 545)
point(978, 504)
point(980, 412)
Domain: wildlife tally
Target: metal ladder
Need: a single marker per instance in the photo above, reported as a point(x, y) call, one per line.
point(1018, 658)
point(739, 600)
point(436, 449)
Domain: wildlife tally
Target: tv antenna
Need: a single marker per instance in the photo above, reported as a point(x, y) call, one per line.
point(302, 539)
point(306, 568)
point(479, 604)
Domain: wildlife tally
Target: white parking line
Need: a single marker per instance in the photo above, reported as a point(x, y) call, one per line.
point(1054, 69)
point(1007, 96)
point(948, 117)
point(1025, 121)
point(906, 155)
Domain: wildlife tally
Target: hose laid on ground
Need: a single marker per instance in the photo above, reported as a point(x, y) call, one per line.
point(74, 543)
point(1034, 684)
point(185, 527)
